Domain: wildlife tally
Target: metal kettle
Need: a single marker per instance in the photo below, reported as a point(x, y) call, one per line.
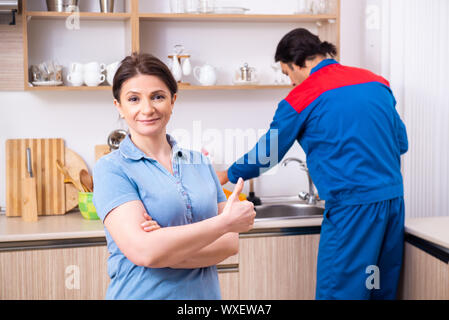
point(245, 74)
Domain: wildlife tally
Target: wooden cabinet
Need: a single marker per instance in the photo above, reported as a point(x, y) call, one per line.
point(69, 273)
point(267, 267)
point(278, 267)
point(228, 275)
point(140, 27)
point(229, 283)
point(75, 273)
point(423, 276)
point(11, 56)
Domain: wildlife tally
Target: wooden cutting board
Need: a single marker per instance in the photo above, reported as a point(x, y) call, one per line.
point(53, 197)
point(50, 190)
point(101, 150)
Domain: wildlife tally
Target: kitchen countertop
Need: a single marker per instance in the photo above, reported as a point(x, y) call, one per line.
point(433, 229)
point(73, 226)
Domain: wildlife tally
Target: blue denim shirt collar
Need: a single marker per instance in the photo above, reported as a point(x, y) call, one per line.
point(322, 64)
point(130, 151)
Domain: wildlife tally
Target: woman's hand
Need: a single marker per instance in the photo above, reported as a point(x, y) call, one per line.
point(149, 224)
point(239, 215)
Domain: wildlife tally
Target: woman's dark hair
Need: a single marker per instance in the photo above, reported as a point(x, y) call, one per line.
point(300, 45)
point(146, 64)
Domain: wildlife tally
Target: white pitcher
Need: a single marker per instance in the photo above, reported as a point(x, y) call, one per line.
point(205, 75)
point(111, 70)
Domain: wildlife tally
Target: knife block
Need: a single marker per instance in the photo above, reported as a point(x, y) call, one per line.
point(50, 189)
point(29, 200)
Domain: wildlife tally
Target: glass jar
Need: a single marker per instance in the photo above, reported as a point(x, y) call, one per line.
point(191, 6)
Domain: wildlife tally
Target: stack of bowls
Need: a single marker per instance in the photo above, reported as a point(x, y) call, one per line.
point(61, 5)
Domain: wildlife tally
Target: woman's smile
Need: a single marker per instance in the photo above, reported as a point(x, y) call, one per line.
point(148, 121)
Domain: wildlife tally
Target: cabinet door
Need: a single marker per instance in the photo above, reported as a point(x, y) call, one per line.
point(423, 276)
point(281, 267)
point(229, 283)
point(11, 56)
point(69, 273)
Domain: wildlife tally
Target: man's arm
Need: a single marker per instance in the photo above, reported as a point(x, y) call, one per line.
point(402, 136)
point(286, 126)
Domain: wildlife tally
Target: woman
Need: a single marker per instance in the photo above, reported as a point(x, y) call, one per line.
point(149, 175)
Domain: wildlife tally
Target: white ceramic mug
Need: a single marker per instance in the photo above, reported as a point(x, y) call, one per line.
point(76, 67)
point(94, 67)
point(76, 79)
point(205, 75)
point(93, 79)
point(111, 70)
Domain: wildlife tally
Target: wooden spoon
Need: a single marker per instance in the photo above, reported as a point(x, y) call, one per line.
point(67, 176)
point(86, 180)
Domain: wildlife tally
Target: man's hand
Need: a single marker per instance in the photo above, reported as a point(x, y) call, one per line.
point(149, 224)
point(222, 177)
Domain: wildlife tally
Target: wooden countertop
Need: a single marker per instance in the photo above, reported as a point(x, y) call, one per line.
point(73, 226)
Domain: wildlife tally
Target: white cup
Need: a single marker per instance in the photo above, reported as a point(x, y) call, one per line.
point(94, 67)
point(93, 79)
point(76, 67)
point(76, 79)
point(111, 70)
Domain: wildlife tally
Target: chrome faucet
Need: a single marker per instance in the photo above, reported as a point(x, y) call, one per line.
point(309, 197)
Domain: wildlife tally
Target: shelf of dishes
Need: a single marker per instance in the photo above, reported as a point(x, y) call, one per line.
point(225, 7)
point(202, 10)
point(49, 74)
point(95, 74)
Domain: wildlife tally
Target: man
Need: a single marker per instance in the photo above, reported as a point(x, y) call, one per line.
point(345, 120)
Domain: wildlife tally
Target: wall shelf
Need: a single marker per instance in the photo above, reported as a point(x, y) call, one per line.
point(133, 28)
point(83, 15)
point(236, 17)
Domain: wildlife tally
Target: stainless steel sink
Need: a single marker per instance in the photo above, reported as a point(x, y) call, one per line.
point(289, 210)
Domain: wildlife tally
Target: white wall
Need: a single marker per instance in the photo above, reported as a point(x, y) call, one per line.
point(84, 119)
point(416, 52)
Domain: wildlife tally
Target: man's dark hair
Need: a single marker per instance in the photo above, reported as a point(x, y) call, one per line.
point(300, 45)
point(146, 64)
